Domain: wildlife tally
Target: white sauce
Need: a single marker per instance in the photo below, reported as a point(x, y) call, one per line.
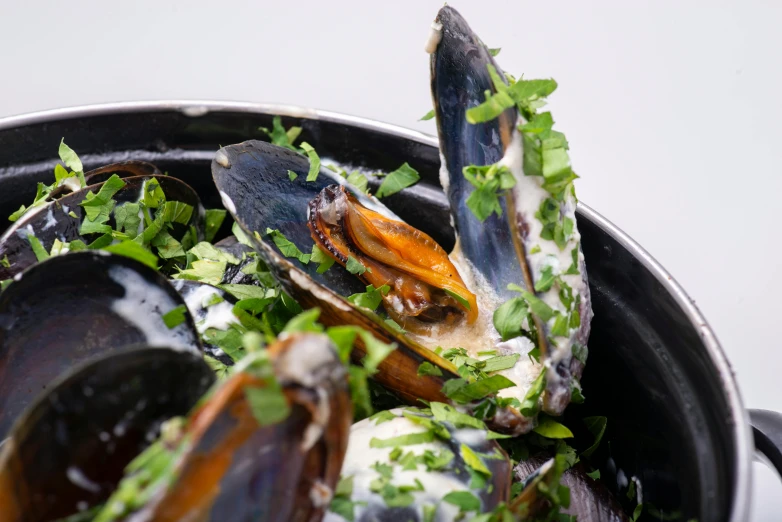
point(222, 159)
point(528, 195)
point(23, 232)
point(360, 457)
point(219, 316)
point(143, 305)
point(435, 35)
point(50, 220)
point(481, 335)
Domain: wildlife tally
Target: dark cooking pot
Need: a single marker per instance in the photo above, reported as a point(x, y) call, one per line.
point(675, 417)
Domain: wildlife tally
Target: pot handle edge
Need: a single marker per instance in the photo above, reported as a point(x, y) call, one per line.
point(767, 432)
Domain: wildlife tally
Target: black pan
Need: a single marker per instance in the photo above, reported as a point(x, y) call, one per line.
point(676, 420)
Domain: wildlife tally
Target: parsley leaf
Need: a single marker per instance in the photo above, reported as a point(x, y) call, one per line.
point(69, 157)
point(529, 406)
point(538, 307)
point(175, 317)
point(382, 416)
point(38, 249)
point(354, 266)
point(501, 362)
point(597, 426)
point(135, 251)
point(428, 116)
point(287, 248)
point(377, 350)
point(463, 392)
point(473, 460)
point(427, 368)
point(370, 299)
point(279, 136)
point(359, 181)
point(508, 318)
point(490, 182)
point(306, 321)
point(573, 268)
point(549, 428)
point(447, 413)
point(464, 500)
point(403, 177)
point(268, 404)
point(408, 439)
point(322, 258)
point(312, 175)
point(213, 220)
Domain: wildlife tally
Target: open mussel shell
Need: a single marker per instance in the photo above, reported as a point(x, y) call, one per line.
point(70, 308)
point(239, 467)
point(367, 452)
point(200, 300)
point(460, 78)
point(67, 452)
point(54, 220)
point(459, 81)
point(590, 500)
point(123, 169)
point(252, 178)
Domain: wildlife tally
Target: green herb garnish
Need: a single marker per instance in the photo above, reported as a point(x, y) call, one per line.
point(403, 177)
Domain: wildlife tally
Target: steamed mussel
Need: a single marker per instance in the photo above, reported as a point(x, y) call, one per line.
point(220, 387)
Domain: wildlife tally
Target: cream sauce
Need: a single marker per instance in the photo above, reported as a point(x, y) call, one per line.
point(143, 305)
point(360, 456)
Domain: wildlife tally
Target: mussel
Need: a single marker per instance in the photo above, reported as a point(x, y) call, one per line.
point(68, 309)
point(534, 237)
point(62, 220)
point(67, 452)
point(440, 300)
point(266, 444)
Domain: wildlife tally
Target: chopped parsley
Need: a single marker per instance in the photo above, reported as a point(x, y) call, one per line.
point(212, 222)
point(38, 249)
point(354, 266)
point(427, 368)
point(61, 177)
point(279, 136)
point(403, 177)
point(552, 429)
point(464, 500)
point(312, 175)
point(530, 405)
point(370, 299)
point(509, 317)
point(597, 427)
point(490, 182)
point(428, 116)
point(175, 317)
point(287, 248)
point(135, 251)
point(463, 392)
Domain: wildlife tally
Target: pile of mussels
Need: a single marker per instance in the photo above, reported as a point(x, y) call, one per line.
point(149, 373)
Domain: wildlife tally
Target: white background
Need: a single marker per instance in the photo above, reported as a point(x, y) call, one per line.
point(672, 110)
